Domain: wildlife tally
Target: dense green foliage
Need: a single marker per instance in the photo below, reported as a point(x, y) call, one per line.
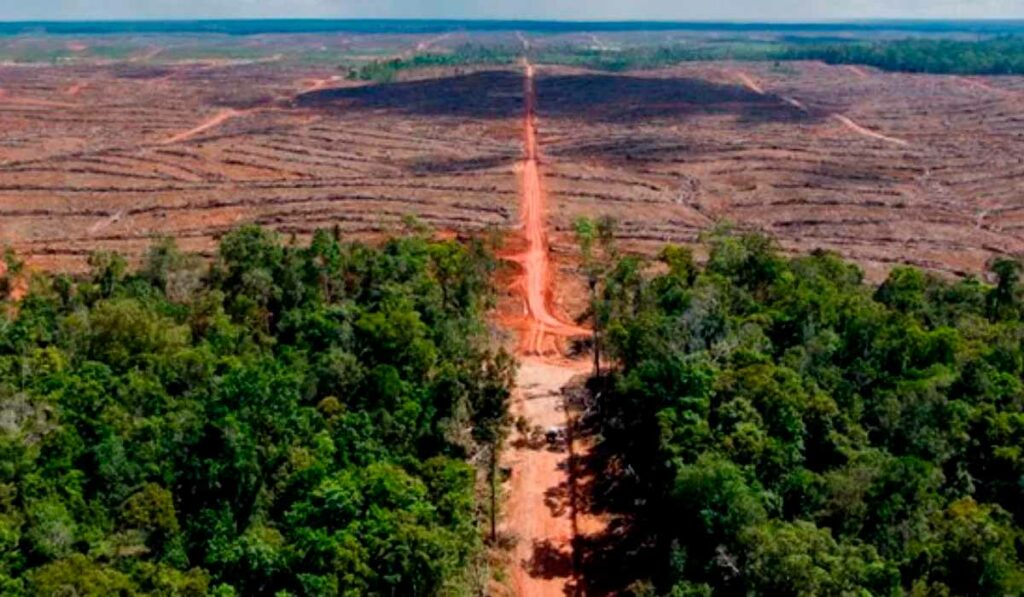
point(991, 56)
point(997, 56)
point(287, 420)
point(1000, 56)
point(778, 427)
point(655, 56)
point(614, 60)
point(385, 71)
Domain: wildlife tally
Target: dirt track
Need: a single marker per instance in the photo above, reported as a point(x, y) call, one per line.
point(882, 168)
point(543, 326)
point(541, 512)
point(131, 144)
point(669, 152)
point(860, 130)
point(846, 121)
point(213, 122)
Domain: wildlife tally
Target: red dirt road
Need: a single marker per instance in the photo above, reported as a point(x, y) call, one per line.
point(541, 510)
point(749, 82)
point(216, 120)
point(866, 132)
point(542, 325)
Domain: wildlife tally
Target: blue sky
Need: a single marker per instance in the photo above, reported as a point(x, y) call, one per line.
point(746, 10)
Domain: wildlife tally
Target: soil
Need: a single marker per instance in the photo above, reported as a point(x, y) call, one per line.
point(815, 159)
point(883, 168)
point(214, 121)
point(860, 130)
point(542, 514)
point(539, 514)
point(542, 324)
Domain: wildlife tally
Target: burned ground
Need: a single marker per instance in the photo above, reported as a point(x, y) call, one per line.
point(938, 185)
point(884, 168)
point(116, 164)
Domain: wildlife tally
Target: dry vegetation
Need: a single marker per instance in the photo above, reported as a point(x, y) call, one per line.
point(192, 151)
point(884, 168)
point(108, 154)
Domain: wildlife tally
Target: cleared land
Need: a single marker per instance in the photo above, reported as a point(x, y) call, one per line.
point(192, 149)
point(882, 167)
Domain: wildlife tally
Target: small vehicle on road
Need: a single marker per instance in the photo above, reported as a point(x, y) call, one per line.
point(556, 435)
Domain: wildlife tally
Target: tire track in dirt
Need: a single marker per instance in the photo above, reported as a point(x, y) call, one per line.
point(860, 72)
point(106, 223)
point(749, 82)
point(845, 120)
point(984, 86)
point(542, 325)
point(213, 122)
point(6, 98)
point(866, 132)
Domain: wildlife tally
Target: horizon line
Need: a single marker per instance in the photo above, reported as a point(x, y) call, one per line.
point(211, 19)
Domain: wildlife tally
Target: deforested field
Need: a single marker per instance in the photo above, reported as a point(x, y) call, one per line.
point(109, 152)
point(108, 157)
point(884, 168)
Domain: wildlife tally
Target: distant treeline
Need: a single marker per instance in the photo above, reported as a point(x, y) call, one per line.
point(649, 57)
point(1003, 56)
point(385, 71)
point(999, 56)
point(637, 58)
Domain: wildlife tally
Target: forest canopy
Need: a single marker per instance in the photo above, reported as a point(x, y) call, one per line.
point(776, 426)
point(992, 56)
point(998, 56)
point(288, 420)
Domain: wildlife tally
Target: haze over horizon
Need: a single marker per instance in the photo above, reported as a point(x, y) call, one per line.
point(668, 10)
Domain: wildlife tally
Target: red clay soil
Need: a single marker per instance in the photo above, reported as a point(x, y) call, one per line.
point(541, 510)
point(860, 72)
point(540, 513)
point(76, 88)
point(7, 98)
point(979, 84)
point(749, 83)
point(216, 120)
point(536, 280)
point(860, 130)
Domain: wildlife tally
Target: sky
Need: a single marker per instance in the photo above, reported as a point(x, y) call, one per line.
point(731, 10)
